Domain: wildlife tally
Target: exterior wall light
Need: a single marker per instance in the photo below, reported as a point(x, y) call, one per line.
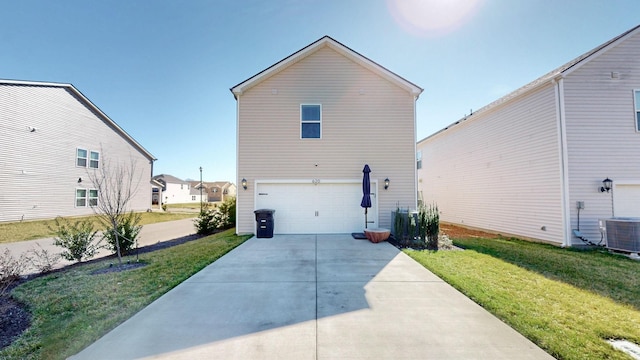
point(386, 183)
point(607, 184)
point(244, 183)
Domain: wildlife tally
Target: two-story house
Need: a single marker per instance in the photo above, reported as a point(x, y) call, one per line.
point(52, 141)
point(308, 124)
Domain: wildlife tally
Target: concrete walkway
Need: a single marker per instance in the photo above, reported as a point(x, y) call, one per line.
point(313, 297)
point(149, 235)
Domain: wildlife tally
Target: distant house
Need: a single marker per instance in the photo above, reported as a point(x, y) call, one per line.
point(532, 163)
point(52, 139)
point(176, 191)
point(307, 126)
point(217, 191)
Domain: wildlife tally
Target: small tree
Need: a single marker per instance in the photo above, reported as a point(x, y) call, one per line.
point(77, 238)
point(116, 184)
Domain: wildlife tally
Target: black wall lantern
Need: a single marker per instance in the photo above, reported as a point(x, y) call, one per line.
point(607, 184)
point(244, 183)
point(386, 183)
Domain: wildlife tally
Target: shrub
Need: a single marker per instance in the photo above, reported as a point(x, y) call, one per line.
point(10, 270)
point(205, 223)
point(222, 217)
point(42, 259)
point(228, 208)
point(128, 231)
point(77, 238)
point(431, 225)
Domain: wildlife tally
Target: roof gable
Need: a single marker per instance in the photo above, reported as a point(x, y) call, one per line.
point(83, 99)
point(341, 49)
point(557, 73)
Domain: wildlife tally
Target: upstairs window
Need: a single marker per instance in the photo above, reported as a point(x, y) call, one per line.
point(310, 121)
point(419, 160)
point(81, 157)
point(94, 159)
point(636, 102)
point(86, 158)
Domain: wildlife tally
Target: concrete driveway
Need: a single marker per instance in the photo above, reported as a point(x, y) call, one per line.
point(313, 297)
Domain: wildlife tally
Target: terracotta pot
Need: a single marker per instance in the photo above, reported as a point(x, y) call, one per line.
point(377, 235)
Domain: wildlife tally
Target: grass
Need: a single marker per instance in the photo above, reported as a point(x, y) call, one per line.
point(30, 230)
point(566, 301)
point(73, 308)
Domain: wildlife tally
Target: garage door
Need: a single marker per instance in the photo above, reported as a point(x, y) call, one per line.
point(626, 200)
point(323, 208)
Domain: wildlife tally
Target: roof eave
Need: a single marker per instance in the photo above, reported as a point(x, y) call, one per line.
point(412, 88)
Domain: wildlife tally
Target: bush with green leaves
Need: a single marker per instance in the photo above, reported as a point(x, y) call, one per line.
point(78, 238)
point(127, 234)
point(206, 223)
point(217, 218)
point(430, 225)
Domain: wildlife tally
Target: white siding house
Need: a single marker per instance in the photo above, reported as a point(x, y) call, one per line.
point(52, 138)
point(177, 191)
point(306, 127)
point(523, 164)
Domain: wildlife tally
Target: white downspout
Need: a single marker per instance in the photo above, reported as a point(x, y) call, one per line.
point(564, 162)
point(237, 159)
point(415, 152)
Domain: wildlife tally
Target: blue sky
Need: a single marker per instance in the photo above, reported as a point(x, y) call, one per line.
point(162, 69)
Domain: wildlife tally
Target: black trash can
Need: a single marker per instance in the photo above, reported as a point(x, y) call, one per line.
point(264, 223)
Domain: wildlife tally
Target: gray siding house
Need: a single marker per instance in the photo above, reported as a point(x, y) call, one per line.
point(51, 139)
point(307, 126)
point(532, 163)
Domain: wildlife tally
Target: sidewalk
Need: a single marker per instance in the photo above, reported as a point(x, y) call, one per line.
point(313, 297)
point(150, 234)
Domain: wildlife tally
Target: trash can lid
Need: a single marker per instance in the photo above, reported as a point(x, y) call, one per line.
point(264, 211)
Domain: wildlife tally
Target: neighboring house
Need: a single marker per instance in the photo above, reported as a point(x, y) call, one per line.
point(52, 139)
point(525, 163)
point(176, 191)
point(217, 191)
point(307, 126)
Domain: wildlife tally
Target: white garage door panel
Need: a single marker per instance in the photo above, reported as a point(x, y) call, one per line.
point(325, 208)
point(626, 200)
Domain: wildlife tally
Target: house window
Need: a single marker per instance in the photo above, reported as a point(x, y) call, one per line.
point(81, 197)
point(310, 121)
point(193, 198)
point(419, 160)
point(93, 197)
point(636, 102)
point(81, 157)
point(94, 159)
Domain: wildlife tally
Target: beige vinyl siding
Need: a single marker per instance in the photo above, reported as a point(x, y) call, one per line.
point(601, 137)
point(499, 169)
point(365, 120)
point(38, 172)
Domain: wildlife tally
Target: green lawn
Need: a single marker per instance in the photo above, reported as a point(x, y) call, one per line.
point(566, 301)
point(73, 308)
point(29, 230)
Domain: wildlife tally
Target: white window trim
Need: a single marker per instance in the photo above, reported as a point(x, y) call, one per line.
point(636, 110)
point(89, 197)
point(310, 122)
point(86, 198)
point(86, 159)
point(89, 159)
